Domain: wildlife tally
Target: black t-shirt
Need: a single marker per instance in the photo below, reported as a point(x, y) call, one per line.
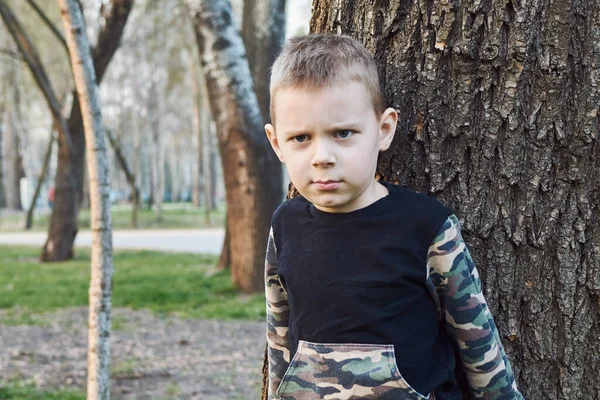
point(360, 277)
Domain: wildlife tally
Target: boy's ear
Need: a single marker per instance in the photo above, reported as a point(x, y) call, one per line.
point(270, 131)
point(387, 128)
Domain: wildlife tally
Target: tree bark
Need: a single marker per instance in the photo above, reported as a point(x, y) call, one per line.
point(263, 31)
point(252, 193)
point(100, 292)
point(70, 167)
point(498, 104)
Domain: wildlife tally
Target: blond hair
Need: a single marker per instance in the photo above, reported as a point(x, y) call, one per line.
point(319, 60)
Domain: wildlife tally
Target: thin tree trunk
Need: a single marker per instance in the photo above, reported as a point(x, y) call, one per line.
point(70, 168)
point(14, 162)
point(40, 180)
point(2, 114)
point(499, 119)
point(252, 193)
point(206, 138)
point(101, 264)
point(198, 173)
point(129, 175)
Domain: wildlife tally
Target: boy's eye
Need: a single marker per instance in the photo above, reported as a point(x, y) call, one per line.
point(344, 134)
point(300, 138)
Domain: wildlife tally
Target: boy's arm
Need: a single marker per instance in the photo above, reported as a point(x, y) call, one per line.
point(456, 287)
point(278, 349)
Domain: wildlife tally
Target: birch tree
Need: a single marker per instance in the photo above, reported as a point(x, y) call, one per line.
point(101, 261)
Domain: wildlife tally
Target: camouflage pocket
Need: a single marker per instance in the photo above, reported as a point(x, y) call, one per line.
point(345, 372)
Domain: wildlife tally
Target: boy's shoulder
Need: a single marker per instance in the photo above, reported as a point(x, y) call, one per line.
point(417, 201)
point(288, 206)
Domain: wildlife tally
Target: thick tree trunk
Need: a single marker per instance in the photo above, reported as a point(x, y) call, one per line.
point(100, 292)
point(498, 104)
point(252, 193)
point(70, 170)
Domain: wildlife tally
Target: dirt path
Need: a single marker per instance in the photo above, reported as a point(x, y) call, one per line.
point(152, 357)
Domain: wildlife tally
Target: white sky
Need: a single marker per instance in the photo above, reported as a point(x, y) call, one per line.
point(298, 16)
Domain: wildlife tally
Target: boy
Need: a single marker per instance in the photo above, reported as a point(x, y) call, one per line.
point(368, 284)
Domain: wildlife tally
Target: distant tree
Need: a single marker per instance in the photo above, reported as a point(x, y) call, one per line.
point(252, 195)
point(100, 292)
point(70, 169)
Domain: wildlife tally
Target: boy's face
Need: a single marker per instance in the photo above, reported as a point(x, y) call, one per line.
point(329, 140)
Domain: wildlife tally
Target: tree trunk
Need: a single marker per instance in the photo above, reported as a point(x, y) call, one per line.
point(14, 163)
point(498, 104)
point(70, 170)
point(129, 175)
point(98, 386)
point(263, 31)
point(208, 158)
point(198, 173)
point(251, 190)
point(40, 181)
point(2, 114)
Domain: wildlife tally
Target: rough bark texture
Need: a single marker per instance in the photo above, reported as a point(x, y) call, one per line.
point(498, 104)
point(70, 167)
point(98, 385)
point(252, 194)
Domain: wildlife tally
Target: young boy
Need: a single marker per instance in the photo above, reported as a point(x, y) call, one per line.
point(369, 285)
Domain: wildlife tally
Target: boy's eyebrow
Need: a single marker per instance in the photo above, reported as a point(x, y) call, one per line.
point(333, 128)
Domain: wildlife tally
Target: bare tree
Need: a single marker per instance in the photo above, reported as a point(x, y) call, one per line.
point(101, 264)
point(70, 169)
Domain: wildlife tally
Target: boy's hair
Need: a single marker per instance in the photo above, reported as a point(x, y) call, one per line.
point(319, 60)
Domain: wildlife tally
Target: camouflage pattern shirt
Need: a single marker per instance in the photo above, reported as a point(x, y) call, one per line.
point(372, 304)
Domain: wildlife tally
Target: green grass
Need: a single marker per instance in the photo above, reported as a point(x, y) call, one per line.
point(185, 285)
point(22, 391)
point(174, 216)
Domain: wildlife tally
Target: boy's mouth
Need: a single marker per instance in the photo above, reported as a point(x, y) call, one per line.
point(327, 184)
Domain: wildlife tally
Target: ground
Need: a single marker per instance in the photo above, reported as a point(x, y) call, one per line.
point(152, 357)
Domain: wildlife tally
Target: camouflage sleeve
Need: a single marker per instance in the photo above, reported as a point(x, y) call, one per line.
point(277, 320)
point(455, 285)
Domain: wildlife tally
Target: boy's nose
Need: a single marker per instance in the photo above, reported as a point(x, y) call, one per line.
point(323, 155)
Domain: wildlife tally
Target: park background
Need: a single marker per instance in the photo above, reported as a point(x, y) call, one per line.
point(498, 103)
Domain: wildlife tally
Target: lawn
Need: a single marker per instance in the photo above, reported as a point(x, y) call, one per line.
point(174, 216)
point(185, 285)
point(20, 391)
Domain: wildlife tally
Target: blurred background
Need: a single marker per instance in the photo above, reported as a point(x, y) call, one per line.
point(188, 304)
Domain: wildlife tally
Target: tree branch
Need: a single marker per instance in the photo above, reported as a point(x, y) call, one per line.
point(32, 58)
point(109, 37)
point(49, 23)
